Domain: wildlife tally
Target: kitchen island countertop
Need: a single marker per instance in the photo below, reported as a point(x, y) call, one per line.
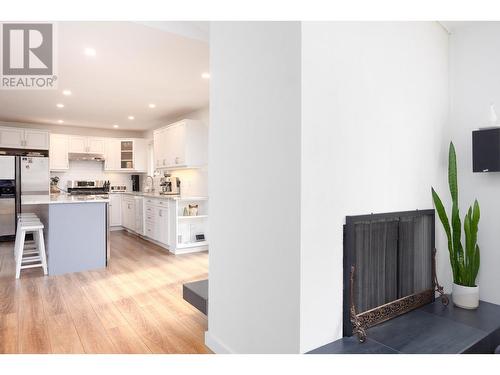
point(62, 199)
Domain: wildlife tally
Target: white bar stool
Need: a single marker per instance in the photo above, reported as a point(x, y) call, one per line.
point(30, 257)
point(30, 217)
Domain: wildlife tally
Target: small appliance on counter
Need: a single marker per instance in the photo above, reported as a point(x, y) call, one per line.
point(170, 185)
point(135, 182)
point(88, 187)
point(118, 188)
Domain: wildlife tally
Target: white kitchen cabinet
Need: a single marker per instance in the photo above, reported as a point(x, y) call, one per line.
point(128, 212)
point(58, 152)
point(86, 145)
point(139, 215)
point(156, 220)
point(126, 155)
point(141, 155)
point(183, 144)
point(115, 210)
point(77, 144)
point(112, 154)
point(161, 224)
point(12, 137)
point(34, 139)
point(95, 145)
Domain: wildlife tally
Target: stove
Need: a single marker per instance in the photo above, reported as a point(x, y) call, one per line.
point(80, 187)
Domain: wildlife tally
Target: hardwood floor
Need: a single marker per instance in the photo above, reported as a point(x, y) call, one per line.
point(133, 306)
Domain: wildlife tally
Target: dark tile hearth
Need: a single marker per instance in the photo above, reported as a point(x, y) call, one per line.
point(433, 328)
point(351, 345)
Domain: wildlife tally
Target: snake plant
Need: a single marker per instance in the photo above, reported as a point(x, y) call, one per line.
point(464, 262)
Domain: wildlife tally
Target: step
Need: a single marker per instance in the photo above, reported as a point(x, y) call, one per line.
point(196, 293)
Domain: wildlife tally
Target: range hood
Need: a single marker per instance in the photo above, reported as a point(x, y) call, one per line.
point(85, 156)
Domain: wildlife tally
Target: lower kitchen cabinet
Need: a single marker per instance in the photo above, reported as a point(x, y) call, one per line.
point(128, 212)
point(156, 218)
point(115, 210)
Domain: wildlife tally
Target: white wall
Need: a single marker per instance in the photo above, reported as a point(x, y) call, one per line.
point(254, 187)
point(374, 111)
point(475, 82)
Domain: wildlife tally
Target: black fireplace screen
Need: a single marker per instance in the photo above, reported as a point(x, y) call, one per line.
point(388, 264)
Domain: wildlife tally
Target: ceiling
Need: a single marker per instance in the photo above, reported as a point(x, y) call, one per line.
point(136, 64)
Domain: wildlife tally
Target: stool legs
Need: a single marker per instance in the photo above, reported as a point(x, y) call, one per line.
point(19, 252)
point(41, 250)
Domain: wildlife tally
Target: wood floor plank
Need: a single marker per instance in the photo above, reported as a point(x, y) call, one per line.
point(9, 333)
point(33, 330)
point(133, 306)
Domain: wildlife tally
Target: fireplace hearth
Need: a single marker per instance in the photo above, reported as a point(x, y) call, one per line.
point(388, 267)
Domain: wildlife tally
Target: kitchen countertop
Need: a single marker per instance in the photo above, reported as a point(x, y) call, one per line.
point(62, 199)
point(160, 196)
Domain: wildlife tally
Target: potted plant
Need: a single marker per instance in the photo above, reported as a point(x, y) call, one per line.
point(464, 261)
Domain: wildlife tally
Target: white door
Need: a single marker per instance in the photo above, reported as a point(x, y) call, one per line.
point(168, 146)
point(115, 210)
point(77, 144)
point(95, 145)
point(161, 221)
point(58, 153)
point(177, 141)
point(36, 139)
point(11, 137)
point(157, 144)
point(141, 155)
point(112, 154)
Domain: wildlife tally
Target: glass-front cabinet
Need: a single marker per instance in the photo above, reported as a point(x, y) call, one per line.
point(127, 154)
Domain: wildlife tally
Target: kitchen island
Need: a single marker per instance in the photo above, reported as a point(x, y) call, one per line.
point(76, 230)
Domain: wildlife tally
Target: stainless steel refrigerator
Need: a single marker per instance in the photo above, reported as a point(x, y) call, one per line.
point(20, 175)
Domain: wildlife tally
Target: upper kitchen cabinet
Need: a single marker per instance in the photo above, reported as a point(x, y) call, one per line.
point(181, 145)
point(126, 155)
point(58, 153)
point(86, 145)
point(32, 139)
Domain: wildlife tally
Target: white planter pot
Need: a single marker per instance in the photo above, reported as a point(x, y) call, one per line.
point(466, 297)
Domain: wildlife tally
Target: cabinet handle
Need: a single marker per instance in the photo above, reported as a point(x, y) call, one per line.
point(160, 213)
point(163, 161)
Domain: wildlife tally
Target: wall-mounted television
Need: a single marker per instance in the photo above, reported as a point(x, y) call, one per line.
point(486, 150)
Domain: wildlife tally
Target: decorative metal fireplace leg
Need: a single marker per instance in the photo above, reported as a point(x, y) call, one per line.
point(435, 284)
point(357, 326)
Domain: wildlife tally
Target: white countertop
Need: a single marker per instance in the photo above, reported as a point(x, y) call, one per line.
point(62, 199)
point(162, 196)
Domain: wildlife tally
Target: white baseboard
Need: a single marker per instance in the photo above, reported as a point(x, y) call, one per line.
point(215, 345)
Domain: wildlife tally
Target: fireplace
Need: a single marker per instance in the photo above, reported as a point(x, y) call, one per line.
point(388, 267)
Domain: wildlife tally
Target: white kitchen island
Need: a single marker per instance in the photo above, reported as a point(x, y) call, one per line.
point(76, 230)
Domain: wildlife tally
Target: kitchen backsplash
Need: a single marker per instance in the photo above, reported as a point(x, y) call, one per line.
point(91, 170)
point(194, 182)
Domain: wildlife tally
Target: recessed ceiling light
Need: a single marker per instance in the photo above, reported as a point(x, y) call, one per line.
point(66, 92)
point(205, 75)
point(152, 105)
point(90, 51)
point(60, 105)
point(60, 121)
point(115, 126)
point(131, 117)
